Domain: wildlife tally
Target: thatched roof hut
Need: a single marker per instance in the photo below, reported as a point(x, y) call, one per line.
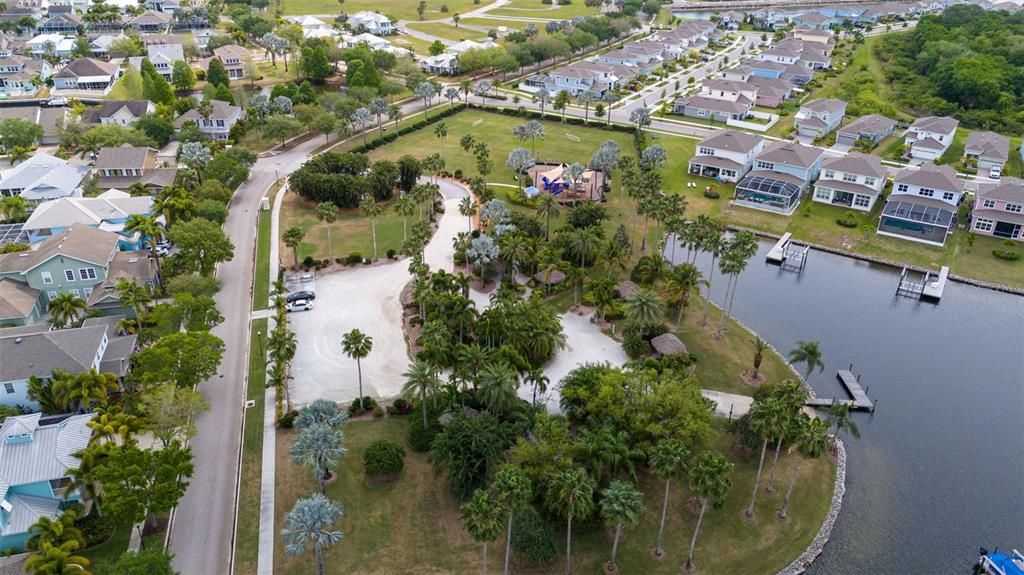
point(668, 344)
point(554, 279)
point(626, 289)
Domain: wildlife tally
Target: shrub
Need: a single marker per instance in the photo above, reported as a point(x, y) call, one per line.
point(287, 421)
point(399, 407)
point(357, 408)
point(339, 260)
point(1008, 255)
point(308, 262)
point(458, 173)
point(391, 254)
point(383, 459)
point(354, 258)
point(634, 345)
point(533, 539)
point(420, 439)
point(849, 220)
point(711, 194)
point(378, 411)
point(95, 528)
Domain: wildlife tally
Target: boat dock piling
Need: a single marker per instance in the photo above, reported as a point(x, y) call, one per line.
point(859, 397)
point(787, 254)
point(927, 287)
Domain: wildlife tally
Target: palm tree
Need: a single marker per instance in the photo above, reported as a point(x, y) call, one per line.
point(55, 531)
point(421, 380)
point(581, 242)
point(811, 438)
point(682, 280)
point(498, 384)
point(308, 523)
point(512, 491)
point(14, 208)
point(711, 242)
point(57, 560)
point(292, 238)
point(467, 208)
point(150, 230)
point(481, 516)
point(111, 424)
point(542, 97)
point(840, 416)
point(572, 493)
point(809, 354)
point(585, 99)
point(610, 98)
point(547, 207)
point(539, 382)
point(791, 396)
point(133, 296)
point(83, 390)
point(575, 277)
point(621, 506)
point(66, 308)
point(644, 308)
point(319, 448)
point(710, 479)
point(327, 212)
point(357, 345)
point(760, 346)
point(766, 418)
point(372, 210)
point(740, 249)
point(405, 207)
point(668, 460)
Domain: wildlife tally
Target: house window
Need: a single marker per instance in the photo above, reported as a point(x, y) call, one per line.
point(989, 203)
point(51, 295)
point(9, 387)
point(850, 178)
point(87, 273)
point(700, 112)
point(87, 292)
point(823, 194)
point(706, 151)
point(926, 192)
point(47, 278)
point(983, 225)
point(1015, 208)
point(948, 196)
point(861, 201)
point(901, 187)
point(69, 275)
point(869, 181)
point(761, 165)
point(830, 174)
point(75, 293)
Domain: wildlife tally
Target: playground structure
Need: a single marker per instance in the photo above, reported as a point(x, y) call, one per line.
point(549, 178)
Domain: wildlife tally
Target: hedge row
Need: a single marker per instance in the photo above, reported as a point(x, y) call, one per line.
point(409, 128)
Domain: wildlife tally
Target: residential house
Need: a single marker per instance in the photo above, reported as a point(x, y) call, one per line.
point(49, 118)
point(781, 174)
point(988, 151)
point(731, 20)
point(42, 178)
point(234, 58)
point(59, 45)
point(872, 128)
point(620, 57)
point(780, 54)
point(109, 212)
point(765, 68)
point(218, 125)
point(86, 74)
point(854, 181)
point(726, 155)
point(817, 36)
point(151, 22)
point(464, 45)
point(815, 20)
point(923, 205)
point(447, 64)
point(720, 100)
point(650, 55)
point(307, 22)
point(118, 112)
point(372, 22)
point(371, 41)
point(768, 19)
point(929, 137)
point(37, 455)
point(771, 92)
point(163, 57)
point(818, 118)
point(19, 75)
point(60, 23)
point(79, 261)
point(999, 209)
point(10, 44)
point(797, 74)
point(202, 38)
point(167, 6)
point(100, 46)
point(121, 167)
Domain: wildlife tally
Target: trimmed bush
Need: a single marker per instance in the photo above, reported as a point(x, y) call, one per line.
point(399, 407)
point(420, 439)
point(391, 254)
point(383, 459)
point(1007, 255)
point(711, 194)
point(357, 408)
point(95, 528)
point(849, 220)
point(287, 420)
point(533, 539)
point(354, 258)
point(308, 262)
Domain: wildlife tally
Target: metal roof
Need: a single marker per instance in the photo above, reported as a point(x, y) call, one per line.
point(918, 211)
point(48, 455)
point(770, 183)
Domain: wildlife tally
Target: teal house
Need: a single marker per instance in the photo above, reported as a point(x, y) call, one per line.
point(36, 456)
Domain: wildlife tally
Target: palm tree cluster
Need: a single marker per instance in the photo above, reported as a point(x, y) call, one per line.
point(281, 347)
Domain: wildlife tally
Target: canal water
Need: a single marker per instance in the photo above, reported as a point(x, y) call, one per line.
point(939, 468)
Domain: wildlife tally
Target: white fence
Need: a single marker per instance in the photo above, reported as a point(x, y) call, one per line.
point(770, 120)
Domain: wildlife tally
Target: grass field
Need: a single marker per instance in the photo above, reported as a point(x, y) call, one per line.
point(248, 531)
point(448, 31)
point(411, 525)
point(400, 9)
point(417, 45)
point(261, 282)
point(537, 9)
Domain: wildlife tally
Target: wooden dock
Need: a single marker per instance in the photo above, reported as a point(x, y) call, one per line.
point(787, 254)
point(859, 399)
point(777, 254)
point(933, 289)
point(928, 287)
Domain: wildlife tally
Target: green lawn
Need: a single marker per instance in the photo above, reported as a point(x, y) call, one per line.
point(411, 524)
point(400, 9)
point(417, 45)
point(248, 529)
point(106, 553)
point(448, 31)
point(537, 9)
point(261, 283)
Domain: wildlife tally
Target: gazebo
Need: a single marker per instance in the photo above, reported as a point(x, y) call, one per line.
point(668, 344)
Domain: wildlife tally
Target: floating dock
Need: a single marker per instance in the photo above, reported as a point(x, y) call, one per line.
point(927, 287)
point(933, 289)
point(859, 398)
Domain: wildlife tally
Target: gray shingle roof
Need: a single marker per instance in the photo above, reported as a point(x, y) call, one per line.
point(854, 163)
point(125, 157)
point(870, 124)
point(16, 299)
point(87, 67)
point(221, 111)
point(825, 105)
point(988, 145)
point(791, 154)
point(137, 108)
point(1007, 190)
point(78, 242)
point(940, 124)
point(742, 104)
point(930, 176)
point(732, 141)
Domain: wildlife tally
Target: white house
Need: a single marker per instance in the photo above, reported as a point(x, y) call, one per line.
point(988, 150)
point(929, 137)
point(818, 118)
point(726, 155)
point(218, 125)
point(56, 44)
point(854, 181)
point(163, 57)
point(374, 42)
point(118, 112)
point(372, 22)
point(470, 45)
point(447, 64)
point(17, 75)
point(43, 177)
point(923, 205)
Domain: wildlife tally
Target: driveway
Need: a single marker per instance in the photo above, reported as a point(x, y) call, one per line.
point(365, 298)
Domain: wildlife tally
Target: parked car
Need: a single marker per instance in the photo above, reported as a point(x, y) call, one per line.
point(299, 305)
point(296, 296)
point(57, 101)
point(995, 172)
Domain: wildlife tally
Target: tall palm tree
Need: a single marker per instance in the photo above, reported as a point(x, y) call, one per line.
point(85, 390)
point(133, 296)
point(357, 345)
point(467, 208)
point(572, 493)
point(372, 210)
point(740, 249)
point(841, 417)
point(539, 382)
point(292, 238)
point(792, 397)
point(682, 280)
point(66, 308)
point(57, 560)
point(405, 207)
point(668, 460)
point(498, 384)
point(421, 380)
point(621, 506)
point(710, 479)
point(581, 243)
point(603, 291)
point(150, 230)
point(319, 448)
point(811, 439)
point(766, 418)
point(760, 346)
point(308, 524)
point(55, 531)
point(547, 207)
point(512, 491)
point(713, 243)
point(112, 424)
point(644, 308)
point(327, 212)
point(809, 354)
point(481, 516)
